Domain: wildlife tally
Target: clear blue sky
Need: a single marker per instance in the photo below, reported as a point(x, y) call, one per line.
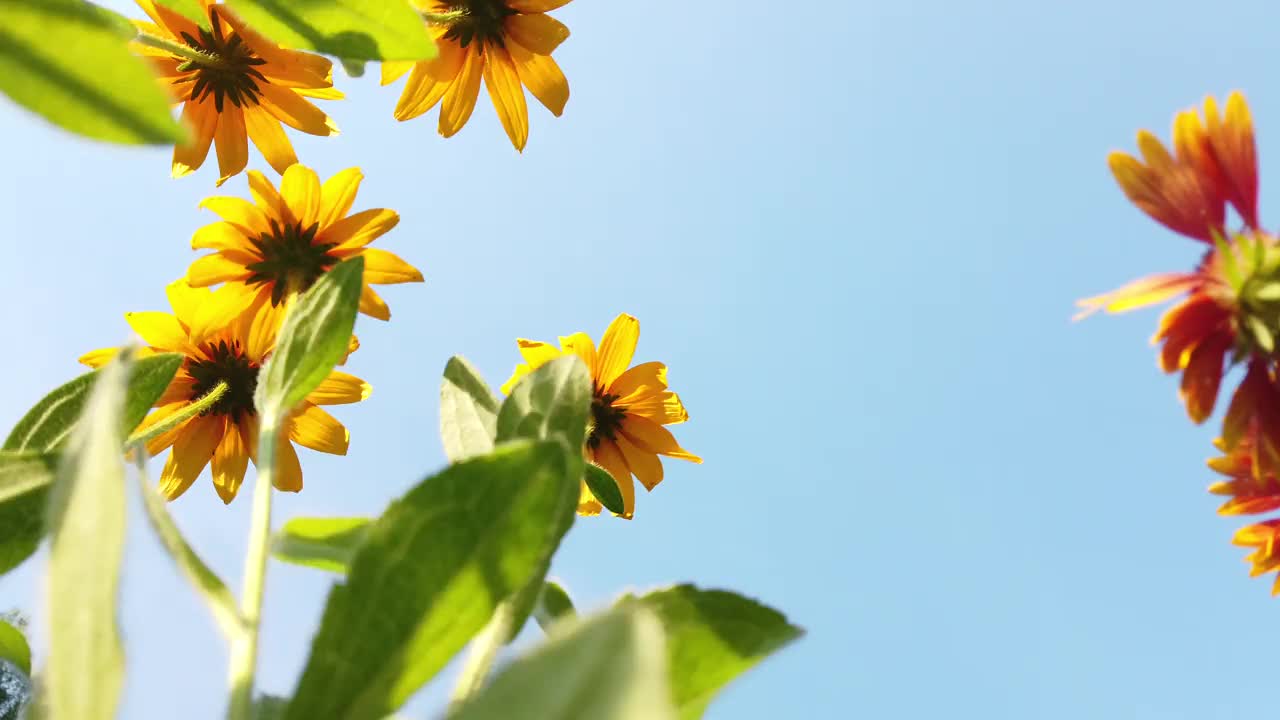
point(854, 231)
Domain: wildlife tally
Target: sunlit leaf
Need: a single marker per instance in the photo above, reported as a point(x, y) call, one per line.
point(322, 543)
point(468, 411)
point(14, 647)
point(350, 29)
point(22, 472)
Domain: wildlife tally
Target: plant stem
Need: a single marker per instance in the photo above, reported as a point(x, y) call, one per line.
point(181, 416)
point(244, 649)
point(182, 50)
point(445, 18)
point(484, 650)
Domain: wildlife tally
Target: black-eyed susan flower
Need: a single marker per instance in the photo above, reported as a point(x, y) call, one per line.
point(283, 241)
point(234, 85)
point(629, 407)
point(508, 43)
point(222, 346)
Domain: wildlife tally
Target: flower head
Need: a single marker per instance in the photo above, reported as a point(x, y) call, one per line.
point(508, 43)
point(283, 241)
point(235, 86)
point(1252, 487)
point(220, 346)
point(629, 407)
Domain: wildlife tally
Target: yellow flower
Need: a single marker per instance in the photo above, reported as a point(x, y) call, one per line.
point(222, 347)
point(507, 42)
point(628, 408)
point(246, 88)
point(282, 242)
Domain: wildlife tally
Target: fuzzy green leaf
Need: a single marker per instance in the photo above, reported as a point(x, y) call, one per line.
point(429, 575)
point(314, 337)
point(468, 411)
point(712, 637)
point(14, 647)
point(86, 520)
point(605, 488)
point(609, 667)
point(68, 60)
point(350, 29)
point(554, 604)
point(321, 543)
point(22, 472)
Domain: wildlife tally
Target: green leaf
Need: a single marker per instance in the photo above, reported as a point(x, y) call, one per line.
point(46, 427)
point(429, 575)
point(1268, 292)
point(553, 604)
point(313, 338)
point(190, 9)
point(354, 68)
point(609, 667)
point(468, 411)
point(604, 487)
point(322, 543)
point(68, 61)
point(712, 637)
point(269, 707)
point(14, 647)
point(23, 472)
point(555, 398)
point(86, 517)
point(351, 29)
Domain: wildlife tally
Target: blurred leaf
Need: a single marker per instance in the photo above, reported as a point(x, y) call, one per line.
point(608, 667)
point(351, 29)
point(712, 637)
point(14, 647)
point(190, 9)
point(22, 472)
point(313, 338)
point(604, 487)
point(269, 707)
point(553, 604)
point(46, 426)
point(468, 411)
point(353, 68)
point(86, 517)
point(321, 543)
point(429, 575)
point(68, 61)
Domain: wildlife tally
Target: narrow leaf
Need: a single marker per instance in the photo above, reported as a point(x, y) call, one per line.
point(87, 525)
point(314, 337)
point(713, 636)
point(322, 543)
point(429, 575)
point(350, 29)
point(553, 605)
point(604, 487)
point(14, 647)
point(609, 667)
point(468, 411)
point(68, 61)
point(23, 472)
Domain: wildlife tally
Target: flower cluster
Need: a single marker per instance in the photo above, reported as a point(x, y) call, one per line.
point(1228, 309)
point(234, 85)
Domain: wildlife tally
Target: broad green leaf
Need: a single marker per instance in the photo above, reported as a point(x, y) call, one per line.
point(86, 517)
point(609, 667)
point(468, 411)
point(712, 637)
point(191, 9)
point(211, 587)
point(429, 575)
point(351, 29)
point(14, 647)
point(321, 543)
point(313, 338)
point(553, 604)
point(46, 427)
point(552, 401)
point(604, 487)
point(555, 398)
point(68, 61)
point(23, 472)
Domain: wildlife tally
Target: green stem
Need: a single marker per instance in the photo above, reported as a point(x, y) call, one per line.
point(445, 18)
point(244, 649)
point(181, 416)
point(484, 650)
point(182, 50)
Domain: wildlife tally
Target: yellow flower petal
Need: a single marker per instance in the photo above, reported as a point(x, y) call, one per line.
point(385, 268)
point(430, 80)
point(360, 229)
point(191, 452)
point(538, 32)
point(542, 76)
point(97, 358)
point(239, 211)
point(460, 98)
point(314, 428)
point(617, 347)
point(216, 313)
point(164, 440)
point(159, 330)
point(581, 345)
point(338, 195)
point(232, 144)
point(507, 95)
point(664, 408)
point(537, 353)
point(608, 456)
point(520, 371)
point(536, 6)
point(393, 70)
point(645, 465)
point(270, 139)
point(340, 389)
point(639, 382)
point(288, 477)
point(267, 197)
point(219, 267)
point(373, 305)
point(221, 236)
point(587, 503)
point(300, 189)
point(230, 460)
point(296, 112)
point(648, 435)
point(201, 120)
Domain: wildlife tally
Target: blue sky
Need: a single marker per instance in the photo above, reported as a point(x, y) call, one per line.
point(855, 232)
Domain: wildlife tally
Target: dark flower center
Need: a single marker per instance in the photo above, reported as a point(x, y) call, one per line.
point(233, 77)
point(291, 259)
point(605, 418)
point(228, 364)
point(481, 19)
